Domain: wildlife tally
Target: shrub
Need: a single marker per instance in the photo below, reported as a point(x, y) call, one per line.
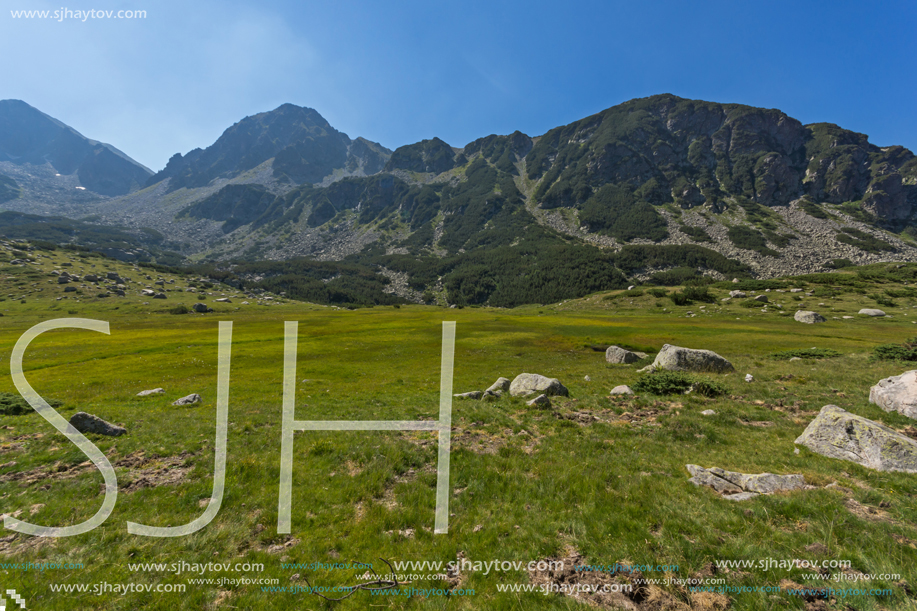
point(658, 293)
point(806, 353)
point(180, 309)
point(14, 405)
point(677, 382)
point(896, 352)
point(698, 293)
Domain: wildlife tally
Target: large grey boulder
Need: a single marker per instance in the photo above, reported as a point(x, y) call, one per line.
point(87, 423)
point(530, 383)
point(808, 317)
point(871, 312)
point(747, 484)
point(836, 433)
point(897, 394)
point(616, 354)
point(188, 400)
point(201, 308)
point(675, 358)
point(500, 384)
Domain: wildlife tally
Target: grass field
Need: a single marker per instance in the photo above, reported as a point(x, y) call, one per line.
point(598, 479)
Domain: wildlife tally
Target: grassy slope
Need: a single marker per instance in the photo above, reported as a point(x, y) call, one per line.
point(615, 489)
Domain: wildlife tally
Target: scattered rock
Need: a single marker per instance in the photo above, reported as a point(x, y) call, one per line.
point(87, 423)
point(795, 290)
point(530, 383)
point(762, 298)
point(623, 389)
point(159, 296)
point(114, 276)
point(675, 358)
point(189, 400)
point(836, 433)
point(897, 394)
point(540, 401)
point(730, 483)
point(871, 312)
point(749, 377)
point(808, 317)
point(501, 384)
point(737, 294)
point(155, 391)
point(91, 278)
point(223, 300)
point(201, 308)
point(62, 279)
point(587, 379)
point(616, 354)
point(708, 412)
point(474, 394)
point(147, 292)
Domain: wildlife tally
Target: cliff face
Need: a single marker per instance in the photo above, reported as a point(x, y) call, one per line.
point(667, 149)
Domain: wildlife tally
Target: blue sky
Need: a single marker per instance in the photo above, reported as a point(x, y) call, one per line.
point(397, 72)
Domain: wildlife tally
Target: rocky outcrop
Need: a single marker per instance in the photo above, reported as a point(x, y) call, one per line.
point(676, 358)
point(188, 400)
point(897, 394)
point(836, 433)
point(741, 486)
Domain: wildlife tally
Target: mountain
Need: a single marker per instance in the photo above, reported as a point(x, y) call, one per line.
point(303, 146)
point(659, 189)
point(34, 144)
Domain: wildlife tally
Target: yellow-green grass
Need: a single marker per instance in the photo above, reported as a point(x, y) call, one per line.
point(616, 489)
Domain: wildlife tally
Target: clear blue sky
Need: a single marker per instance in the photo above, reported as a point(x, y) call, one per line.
point(398, 71)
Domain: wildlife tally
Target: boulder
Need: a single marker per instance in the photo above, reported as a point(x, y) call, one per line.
point(474, 394)
point(530, 383)
point(616, 354)
point(897, 394)
point(622, 390)
point(539, 401)
point(91, 278)
point(675, 358)
point(737, 294)
point(749, 485)
point(871, 312)
point(189, 400)
point(708, 412)
point(63, 279)
point(87, 423)
point(762, 298)
point(159, 296)
point(836, 433)
point(808, 317)
point(114, 276)
point(223, 300)
point(500, 384)
point(147, 292)
point(155, 391)
point(201, 308)
point(795, 290)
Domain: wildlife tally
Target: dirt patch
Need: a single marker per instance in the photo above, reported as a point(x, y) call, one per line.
point(628, 591)
point(153, 472)
point(142, 472)
point(867, 512)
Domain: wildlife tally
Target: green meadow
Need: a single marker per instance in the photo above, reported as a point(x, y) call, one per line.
point(597, 478)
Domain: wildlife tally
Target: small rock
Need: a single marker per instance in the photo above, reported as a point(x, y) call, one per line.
point(808, 317)
point(708, 412)
point(749, 377)
point(539, 401)
point(737, 294)
point(159, 296)
point(474, 394)
point(189, 400)
point(676, 358)
point(500, 384)
point(618, 355)
point(155, 391)
point(871, 312)
point(622, 390)
point(795, 358)
point(587, 379)
point(795, 290)
point(87, 423)
point(530, 383)
point(762, 298)
point(223, 300)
